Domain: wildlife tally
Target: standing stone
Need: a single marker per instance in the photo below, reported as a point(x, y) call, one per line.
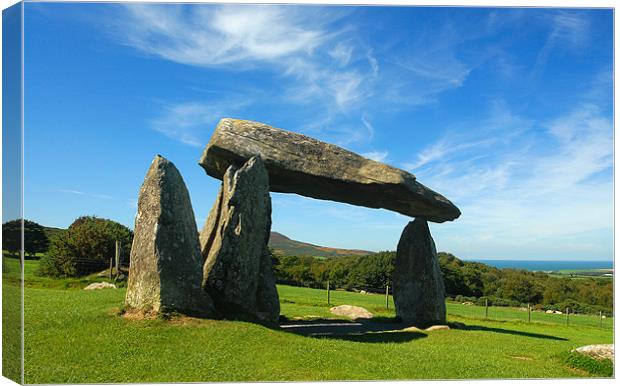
point(165, 272)
point(419, 293)
point(238, 269)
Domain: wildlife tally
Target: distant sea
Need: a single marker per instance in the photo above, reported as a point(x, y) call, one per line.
point(548, 265)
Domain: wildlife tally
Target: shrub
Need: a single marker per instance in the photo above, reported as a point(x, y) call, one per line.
point(86, 247)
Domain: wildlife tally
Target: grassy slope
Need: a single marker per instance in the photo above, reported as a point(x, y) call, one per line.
point(288, 247)
point(74, 336)
point(11, 321)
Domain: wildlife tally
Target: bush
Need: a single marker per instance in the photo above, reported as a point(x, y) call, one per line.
point(86, 247)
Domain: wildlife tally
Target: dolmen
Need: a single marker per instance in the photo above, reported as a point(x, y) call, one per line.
point(227, 269)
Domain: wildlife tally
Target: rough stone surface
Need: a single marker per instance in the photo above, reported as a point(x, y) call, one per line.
point(419, 293)
point(598, 351)
point(98, 286)
point(303, 165)
point(165, 272)
point(352, 312)
point(238, 270)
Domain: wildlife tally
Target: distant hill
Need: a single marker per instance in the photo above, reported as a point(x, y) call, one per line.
point(51, 232)
point(279, 243)
point(286, 246)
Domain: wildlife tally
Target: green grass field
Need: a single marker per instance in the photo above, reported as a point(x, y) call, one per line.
point(75, 336)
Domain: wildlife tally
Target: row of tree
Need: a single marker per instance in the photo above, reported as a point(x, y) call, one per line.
point(35, 238)
point(85, 247)
point(89, 243)
point(465, 280)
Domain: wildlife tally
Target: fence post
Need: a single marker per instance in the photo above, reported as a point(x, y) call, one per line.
point(117, 256)
point(328, 300)
point(387, 296)
point(529, 315)
point(567, 316)
point(486, 308)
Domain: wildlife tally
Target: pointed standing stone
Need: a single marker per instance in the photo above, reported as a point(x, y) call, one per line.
point(238, 270)
point(419, 293)
point(165, 270)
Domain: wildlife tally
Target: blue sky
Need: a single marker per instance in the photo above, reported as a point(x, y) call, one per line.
point(507, 112)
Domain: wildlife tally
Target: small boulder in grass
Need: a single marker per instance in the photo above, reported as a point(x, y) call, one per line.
point(597, 351)
point(352, 312)
point(98, 286)
point(437, 328)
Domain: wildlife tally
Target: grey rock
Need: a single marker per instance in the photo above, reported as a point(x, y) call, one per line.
point(99, 286)
point(238, 270)
point(165, 272)
point(597, 351)
point(306, 166)
point(352, 312)
point(419, 294)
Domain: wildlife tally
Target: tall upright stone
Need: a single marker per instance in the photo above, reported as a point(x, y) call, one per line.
point(165, 272)
point(419, 293)
point(238, 269)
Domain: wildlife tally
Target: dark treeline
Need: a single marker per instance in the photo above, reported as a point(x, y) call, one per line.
point(464, 281)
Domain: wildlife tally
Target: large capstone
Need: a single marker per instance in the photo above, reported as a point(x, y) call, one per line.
point(238, 270)
point(165, 272)
point(419, 294)
point(306, 166)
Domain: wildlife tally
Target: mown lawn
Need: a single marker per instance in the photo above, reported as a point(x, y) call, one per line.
point(75, 336)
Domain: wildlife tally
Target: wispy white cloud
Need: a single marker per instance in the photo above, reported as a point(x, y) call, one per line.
point(316, 62)
point(566, 27)
point(341, 53)
point(215, 36)
point(379, 156)
point(524, 190)
point(81, 193)
point(191, 123)
point(569, 26)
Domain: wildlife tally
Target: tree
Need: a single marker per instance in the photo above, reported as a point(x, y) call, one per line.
point(35, 239)
point(11, 236)
point(86, 247)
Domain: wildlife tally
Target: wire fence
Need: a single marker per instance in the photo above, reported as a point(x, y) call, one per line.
point(485, 312)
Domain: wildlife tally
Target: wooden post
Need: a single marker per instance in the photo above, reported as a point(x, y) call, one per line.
point(111, 262)
point(529, 315)
point(328, 300)
point(600, 316)
point(387, 296)
point(486, 308)
point(117, 256)
point(567, 316)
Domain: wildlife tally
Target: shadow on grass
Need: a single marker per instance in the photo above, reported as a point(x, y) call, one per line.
point(510, 332)
point(373, 330)
point(377, 337)
point(385, 319)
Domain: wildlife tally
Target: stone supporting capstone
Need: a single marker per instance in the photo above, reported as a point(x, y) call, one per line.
point(165, 272)
point(237, 270)
point(419, 294)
